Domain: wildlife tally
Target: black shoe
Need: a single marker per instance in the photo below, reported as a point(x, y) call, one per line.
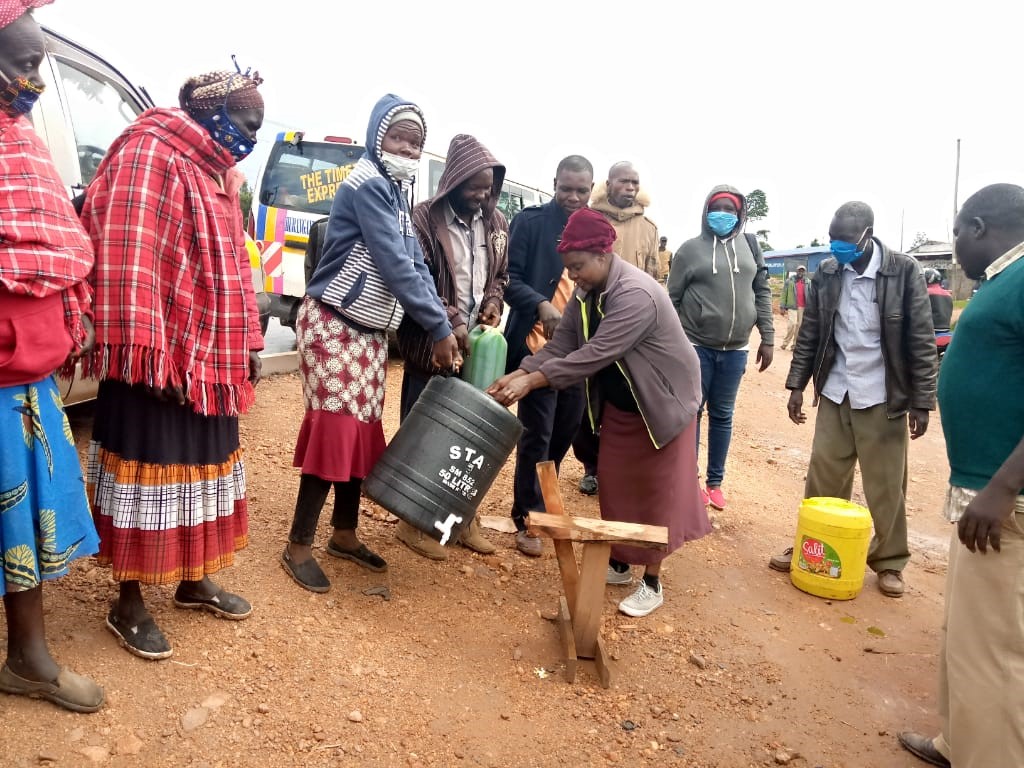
point(588, 485)
point(307, 574)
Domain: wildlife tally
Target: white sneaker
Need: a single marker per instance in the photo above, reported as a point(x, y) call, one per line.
point(617, 578)
point(643, 601)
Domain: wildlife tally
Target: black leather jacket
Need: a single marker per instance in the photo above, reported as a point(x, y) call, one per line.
point(908, 337)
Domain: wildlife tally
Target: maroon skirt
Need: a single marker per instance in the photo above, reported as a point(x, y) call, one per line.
point(642, 484)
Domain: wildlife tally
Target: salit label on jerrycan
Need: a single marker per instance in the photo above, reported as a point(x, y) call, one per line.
point(818, 557)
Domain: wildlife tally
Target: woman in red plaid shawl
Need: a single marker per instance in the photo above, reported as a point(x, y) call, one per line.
point(177, 336)
point(44, 300)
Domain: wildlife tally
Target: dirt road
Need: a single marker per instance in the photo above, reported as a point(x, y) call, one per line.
point(460, 667)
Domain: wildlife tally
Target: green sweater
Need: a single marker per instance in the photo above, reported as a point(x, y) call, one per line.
point(981, 381)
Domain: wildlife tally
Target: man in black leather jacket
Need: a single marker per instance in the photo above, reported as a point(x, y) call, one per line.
point(868, 343)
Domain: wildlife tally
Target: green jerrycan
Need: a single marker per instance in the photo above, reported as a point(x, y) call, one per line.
point(487, 353)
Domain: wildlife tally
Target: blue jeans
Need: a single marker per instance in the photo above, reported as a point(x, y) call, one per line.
point(720, 374)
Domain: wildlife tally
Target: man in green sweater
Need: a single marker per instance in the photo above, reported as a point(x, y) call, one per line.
point(981, 693)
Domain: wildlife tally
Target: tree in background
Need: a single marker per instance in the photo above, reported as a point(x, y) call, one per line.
point(762, 239)
point(815, 243)
point(919, 239)
point(757, 205)
point(245, 200)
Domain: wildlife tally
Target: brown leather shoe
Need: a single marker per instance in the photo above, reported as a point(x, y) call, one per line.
point(473, 538)
point(922, 747)
point(419, 542)
point(890, 583)
point(528, 544)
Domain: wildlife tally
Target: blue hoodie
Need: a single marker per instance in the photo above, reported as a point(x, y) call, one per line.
point(371, 210)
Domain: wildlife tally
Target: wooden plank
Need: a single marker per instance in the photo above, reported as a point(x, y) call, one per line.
point(586, 529)
point(601, 661)
point(563, 548)
point(564, 620)
point(586, 620)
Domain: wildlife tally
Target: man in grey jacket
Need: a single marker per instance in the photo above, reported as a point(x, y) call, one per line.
point(867, 341)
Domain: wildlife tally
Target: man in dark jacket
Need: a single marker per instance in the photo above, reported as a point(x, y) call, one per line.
point(537, 292)
point(867, 341)
point(464, 238)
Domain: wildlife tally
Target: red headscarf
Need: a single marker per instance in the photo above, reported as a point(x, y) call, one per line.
point(727, 196)
point(587, 230)
point(12, 10)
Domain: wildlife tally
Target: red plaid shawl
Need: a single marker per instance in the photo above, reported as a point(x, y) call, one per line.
point(43, 249)
point(174, 300)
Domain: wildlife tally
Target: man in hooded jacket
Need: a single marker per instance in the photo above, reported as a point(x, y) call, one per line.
point(464, 238)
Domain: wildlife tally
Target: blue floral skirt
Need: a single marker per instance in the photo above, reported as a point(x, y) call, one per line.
point(45, 521)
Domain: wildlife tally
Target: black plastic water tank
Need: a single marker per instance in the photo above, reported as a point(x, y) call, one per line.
point(444, 458)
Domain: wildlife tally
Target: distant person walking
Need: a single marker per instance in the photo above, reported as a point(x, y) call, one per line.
point(794, 299)
point(664, 259)
point(719, 286)
point(940, 299)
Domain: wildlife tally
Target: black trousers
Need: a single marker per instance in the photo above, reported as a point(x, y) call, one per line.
point(550, 419)
point(312, 497)
point(585, 445)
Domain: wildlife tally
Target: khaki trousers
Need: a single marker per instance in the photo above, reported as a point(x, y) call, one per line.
point(981, 666)
point(794, 317)
point(843, 437)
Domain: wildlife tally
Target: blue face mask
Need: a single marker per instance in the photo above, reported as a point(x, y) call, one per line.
point(721, 222)
point(847, 253)
point(227, 134)
point(19, 96)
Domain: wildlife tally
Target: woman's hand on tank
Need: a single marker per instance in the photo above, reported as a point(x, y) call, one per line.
point(513, 387)
point(549, 317)
point(446, 353)
point(489, 315)
point(255, 368)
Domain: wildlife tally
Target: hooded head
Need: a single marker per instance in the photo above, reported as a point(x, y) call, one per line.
point(468, 168)
point(382, 118)
point(724, 197)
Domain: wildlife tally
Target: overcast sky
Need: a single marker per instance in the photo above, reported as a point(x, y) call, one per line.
point(816, 102)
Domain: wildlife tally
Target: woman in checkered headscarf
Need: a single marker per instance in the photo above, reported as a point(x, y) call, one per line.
point(44, 324)
point(177, 353)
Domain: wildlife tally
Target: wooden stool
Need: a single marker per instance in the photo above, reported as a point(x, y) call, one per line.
point(579, 608)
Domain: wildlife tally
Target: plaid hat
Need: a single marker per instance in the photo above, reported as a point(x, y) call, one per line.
point(587, 230)
point(12, 10)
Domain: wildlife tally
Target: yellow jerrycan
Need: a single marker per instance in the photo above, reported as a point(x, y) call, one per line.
point(830, 550)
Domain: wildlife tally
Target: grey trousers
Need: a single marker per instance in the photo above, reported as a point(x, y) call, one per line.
point(844, 437)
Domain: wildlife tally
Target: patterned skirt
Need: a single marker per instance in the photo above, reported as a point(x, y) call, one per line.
point(44, 515)
point(343, 382)
point(167, 487)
